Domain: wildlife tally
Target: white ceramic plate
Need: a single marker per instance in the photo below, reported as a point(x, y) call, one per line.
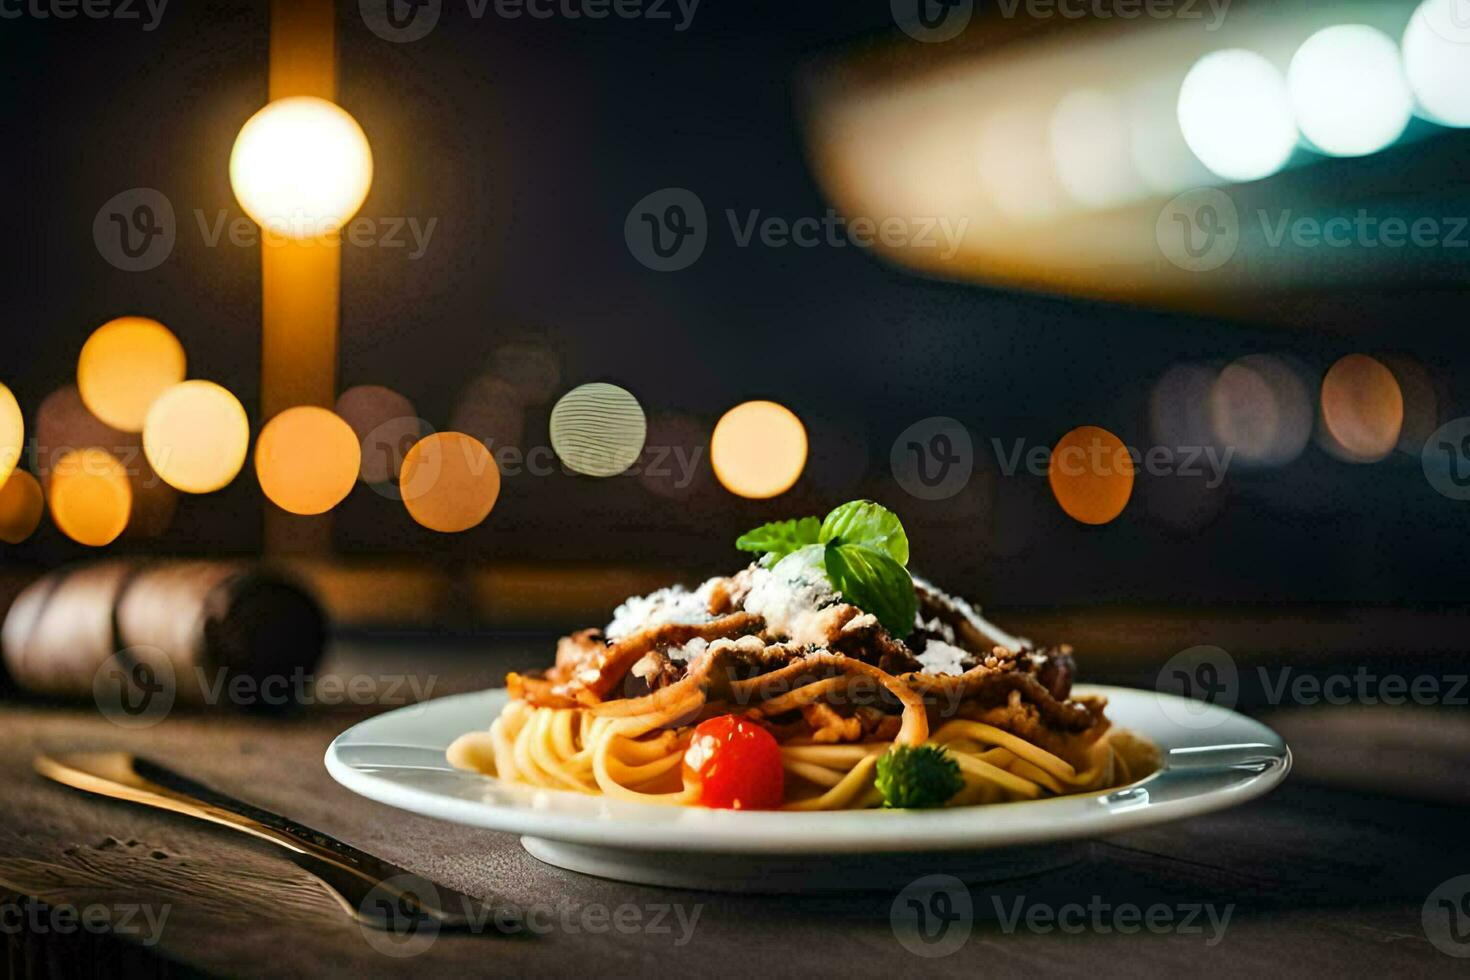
point(1213, 759)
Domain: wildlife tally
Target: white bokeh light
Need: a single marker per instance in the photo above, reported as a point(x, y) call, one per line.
point(1348, 90)
point(1437, 60)
point(1091, 152)
point(301, 167)
point(1236, 115)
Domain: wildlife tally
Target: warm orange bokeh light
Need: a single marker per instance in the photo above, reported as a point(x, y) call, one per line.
point(91, 499)
point(196, 436)
point(307, 460)
point(450, 482)
point(12, 433)
point(1362, 408)
point(1091, 474)
point(124, 366)
point(21, 504)
point(758, 449)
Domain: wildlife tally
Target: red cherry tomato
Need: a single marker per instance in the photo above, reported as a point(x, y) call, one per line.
point(736, 764)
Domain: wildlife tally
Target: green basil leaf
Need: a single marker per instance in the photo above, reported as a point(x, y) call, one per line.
point(875, 583)
point(871, 525)
point(780, 538)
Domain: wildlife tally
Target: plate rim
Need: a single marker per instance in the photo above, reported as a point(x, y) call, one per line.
point(614, 824)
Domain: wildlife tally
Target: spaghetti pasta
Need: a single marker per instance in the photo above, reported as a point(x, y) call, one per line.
point(770, 685)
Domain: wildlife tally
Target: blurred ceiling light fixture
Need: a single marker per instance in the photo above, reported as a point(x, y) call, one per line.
point(1437, 60)
point(124, 366)
point(1261, 409)
point(1362, 409)
point(1058, 150)
point(307, 460)
point(301, 167)
point(1236, 115)
point(758, 449)
point(1348, 88)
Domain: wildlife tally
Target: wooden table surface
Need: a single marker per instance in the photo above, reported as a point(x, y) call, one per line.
point(1325, 874)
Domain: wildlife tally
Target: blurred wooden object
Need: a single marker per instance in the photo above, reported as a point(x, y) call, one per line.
point(220, 618)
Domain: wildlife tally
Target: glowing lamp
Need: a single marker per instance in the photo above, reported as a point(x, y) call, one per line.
point(91, 499)
point(1091, 474)
point(196, 436)
point(758, 449)
point(450, 482)
point(307, 460)
point(301, 167)
point(124, 366)
point(12, 433)
point(1236, 115)
point(21, 504)
point(1348, 88)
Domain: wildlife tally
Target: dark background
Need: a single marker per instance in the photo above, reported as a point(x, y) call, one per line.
point(529, 141)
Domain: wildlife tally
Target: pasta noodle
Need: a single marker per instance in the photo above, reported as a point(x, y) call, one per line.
point(616, 717)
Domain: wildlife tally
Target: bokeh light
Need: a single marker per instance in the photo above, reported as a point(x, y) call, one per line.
point(598, 429)
point(90, 497)
point(196, 437)
point(1437, 60)
point(1421, 400)
point(12, 433)
point(673, 463)
point(1348, 90)
point(1091, 474)
point(492, 410)
point(124, 366)
point(1091, 150)
point(758, 449)
point(532, 369)
point(1013, 161)
point(21, 504)
point(307, 460)
point(1179, 407)
point(62, 423)
point(450, 482)
point(1261, 411)
point(1362, 409)
point(386, 425)
point(1236, 115)
point(301, 167)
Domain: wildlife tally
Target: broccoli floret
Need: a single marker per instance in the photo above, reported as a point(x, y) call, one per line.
point(918, 777)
